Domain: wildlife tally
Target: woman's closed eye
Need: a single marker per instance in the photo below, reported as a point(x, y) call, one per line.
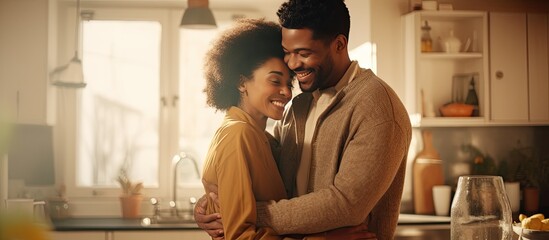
point(275, 82)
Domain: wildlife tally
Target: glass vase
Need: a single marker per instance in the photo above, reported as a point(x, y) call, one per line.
point(481, 210)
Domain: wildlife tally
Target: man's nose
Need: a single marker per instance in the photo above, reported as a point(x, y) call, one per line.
point(293, 61)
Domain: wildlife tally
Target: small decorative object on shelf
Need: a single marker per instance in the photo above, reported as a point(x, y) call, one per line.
point(474, 43)
point(445, 7)
point(472, 98)
point(451, 44)
point(415, 5)
point(429, 5)
point(426, 41)
point(456, 110)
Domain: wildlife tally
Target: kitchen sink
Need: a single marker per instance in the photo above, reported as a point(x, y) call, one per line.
point(183, 219)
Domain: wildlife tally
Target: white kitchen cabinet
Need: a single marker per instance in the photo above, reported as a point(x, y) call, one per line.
point(23, 60)
point(519, 82)
point(508, 67)
point(80, 235)
point(429, 75)
point(538, 65)
point(162, 235)
point(131, 235)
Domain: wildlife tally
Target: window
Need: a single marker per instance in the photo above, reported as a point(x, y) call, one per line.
point(197, 121)
point(120, 120)
point(120, 113)
point(143, 102)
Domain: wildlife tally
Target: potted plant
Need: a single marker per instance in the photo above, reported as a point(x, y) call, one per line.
point(481, 164)
point(131, 197)
point(532, 172)
point(509, 170)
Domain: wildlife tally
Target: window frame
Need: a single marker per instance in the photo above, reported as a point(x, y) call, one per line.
point(68, 99)
point(67, 110)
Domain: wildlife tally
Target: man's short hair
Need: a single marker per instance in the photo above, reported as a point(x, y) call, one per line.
point(326, 18)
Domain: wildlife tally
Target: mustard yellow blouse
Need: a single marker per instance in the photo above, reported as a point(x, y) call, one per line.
point(240, 163)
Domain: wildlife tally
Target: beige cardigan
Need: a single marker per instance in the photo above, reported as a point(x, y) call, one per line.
point(358, 162)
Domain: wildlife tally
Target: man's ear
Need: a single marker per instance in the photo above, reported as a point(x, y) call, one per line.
point(341, 42)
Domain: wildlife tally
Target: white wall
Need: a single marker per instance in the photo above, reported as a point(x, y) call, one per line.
point(386, 34)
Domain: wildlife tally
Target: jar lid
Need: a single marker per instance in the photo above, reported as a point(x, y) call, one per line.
point(426, 26)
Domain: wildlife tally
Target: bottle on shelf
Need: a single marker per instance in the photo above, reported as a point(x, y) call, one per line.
point(472, 98)
point(427, 171)
point(426, 41)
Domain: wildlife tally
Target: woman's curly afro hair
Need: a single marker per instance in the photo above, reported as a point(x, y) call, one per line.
point(236, 54)
point(327, 18)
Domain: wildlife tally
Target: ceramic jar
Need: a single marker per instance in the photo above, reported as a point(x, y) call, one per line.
point(451, 44)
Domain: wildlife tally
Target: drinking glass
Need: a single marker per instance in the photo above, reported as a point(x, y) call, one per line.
point(480, 209)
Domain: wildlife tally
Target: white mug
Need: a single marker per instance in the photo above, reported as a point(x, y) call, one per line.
point(27, 207)
point(441, 199)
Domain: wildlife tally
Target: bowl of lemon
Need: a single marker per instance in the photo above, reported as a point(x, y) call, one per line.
point(535, 227)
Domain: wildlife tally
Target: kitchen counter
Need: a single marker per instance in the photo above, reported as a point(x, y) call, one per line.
point(414, 219)
point(121, 224)
point(420, 227)
point(410, 227)
point(114, 224)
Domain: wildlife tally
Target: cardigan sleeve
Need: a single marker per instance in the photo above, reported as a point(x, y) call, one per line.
point(236, 197)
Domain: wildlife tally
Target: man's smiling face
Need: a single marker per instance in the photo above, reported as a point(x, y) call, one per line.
point(311, 59)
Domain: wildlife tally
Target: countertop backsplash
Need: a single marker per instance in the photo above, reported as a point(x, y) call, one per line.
point(494, 142)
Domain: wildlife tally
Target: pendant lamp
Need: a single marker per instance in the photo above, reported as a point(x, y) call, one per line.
point(198, 15)
point(71, 75)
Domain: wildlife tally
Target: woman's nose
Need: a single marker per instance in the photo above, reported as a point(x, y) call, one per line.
point(286, 91)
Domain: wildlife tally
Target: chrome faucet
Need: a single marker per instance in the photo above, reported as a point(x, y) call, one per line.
point(177, 159)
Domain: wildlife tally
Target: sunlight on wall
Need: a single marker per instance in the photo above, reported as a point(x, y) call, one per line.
point(366, 55)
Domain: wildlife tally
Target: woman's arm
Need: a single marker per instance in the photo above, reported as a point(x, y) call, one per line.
point(235, 156)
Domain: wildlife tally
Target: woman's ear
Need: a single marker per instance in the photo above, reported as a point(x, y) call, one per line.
point(242, 84)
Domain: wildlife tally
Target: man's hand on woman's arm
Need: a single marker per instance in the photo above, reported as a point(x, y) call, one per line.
point(211, 223)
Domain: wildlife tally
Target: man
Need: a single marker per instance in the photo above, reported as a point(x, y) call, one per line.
point(344, 139)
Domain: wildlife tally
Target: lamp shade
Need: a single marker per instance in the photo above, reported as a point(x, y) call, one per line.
point(198, 18)
point(70, 75)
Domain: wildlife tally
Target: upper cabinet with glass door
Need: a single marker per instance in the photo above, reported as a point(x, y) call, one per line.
point(446, 57)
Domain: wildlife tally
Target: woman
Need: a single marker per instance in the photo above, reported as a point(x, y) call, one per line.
point(246, 77)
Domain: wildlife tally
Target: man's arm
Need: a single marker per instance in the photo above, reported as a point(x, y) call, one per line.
point(368, 168)
point(214, 227)
point(211, 223)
